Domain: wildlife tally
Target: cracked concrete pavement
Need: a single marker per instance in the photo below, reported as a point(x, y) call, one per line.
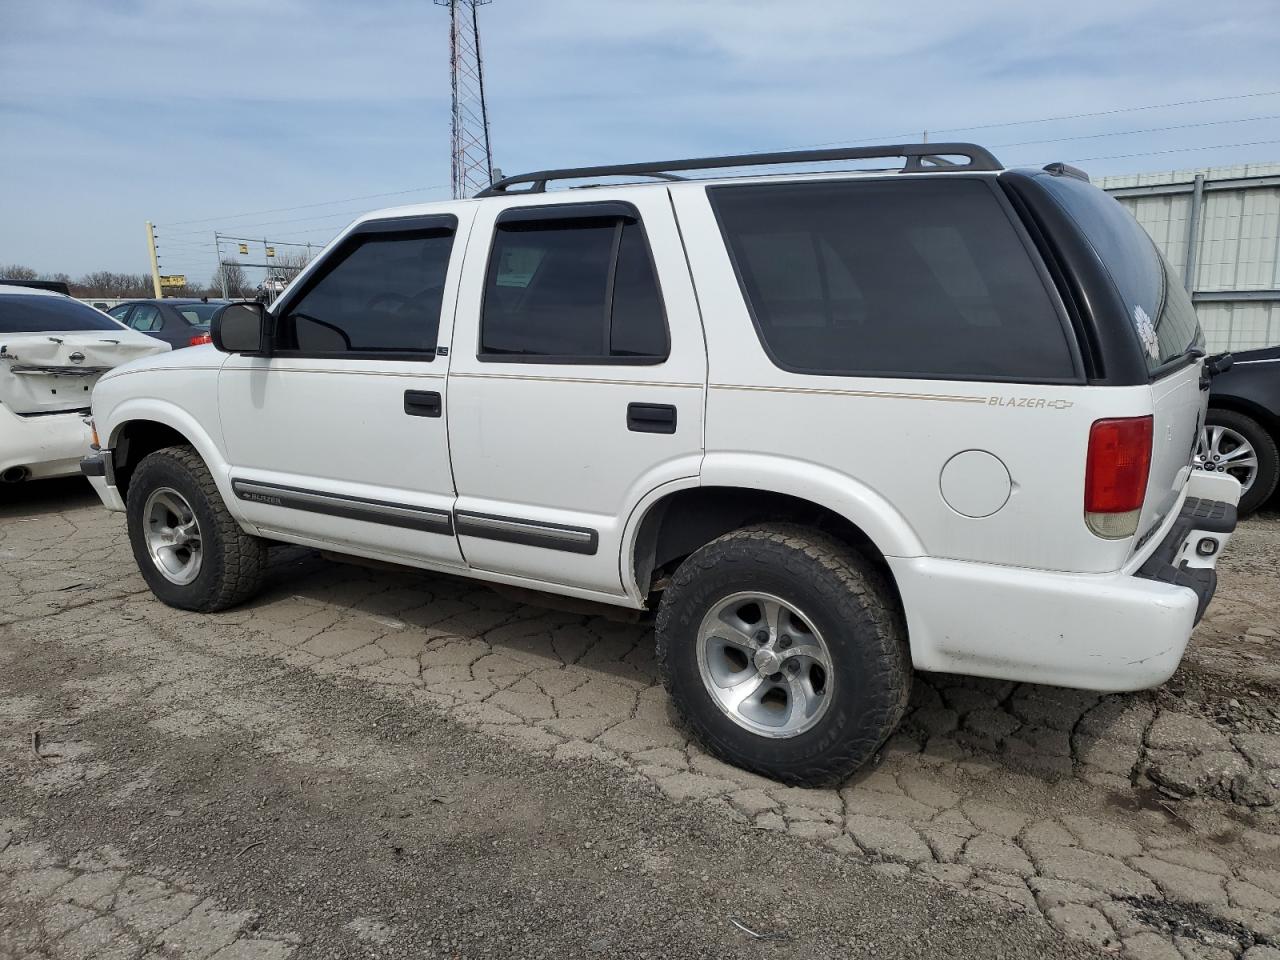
point(1143, 825)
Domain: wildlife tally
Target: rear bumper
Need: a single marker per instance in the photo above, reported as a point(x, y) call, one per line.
point(1121, 631)
point(1187, 555)
point(48, 445)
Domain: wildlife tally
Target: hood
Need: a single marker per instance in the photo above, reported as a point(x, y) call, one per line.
point(52, 372)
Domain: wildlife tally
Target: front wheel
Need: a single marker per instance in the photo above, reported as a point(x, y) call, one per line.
point(785, 653)
point(1236, 444)
point(189, 548)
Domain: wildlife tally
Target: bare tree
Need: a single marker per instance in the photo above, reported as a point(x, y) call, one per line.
point(237, 282)
point(113, 286)
point(16, 271)
point(289, 264)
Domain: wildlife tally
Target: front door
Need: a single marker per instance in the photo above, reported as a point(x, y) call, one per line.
point(576, 383)
point(338, 437)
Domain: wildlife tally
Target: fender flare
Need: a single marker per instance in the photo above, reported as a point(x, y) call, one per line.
point(176, 418)
point(862, 506)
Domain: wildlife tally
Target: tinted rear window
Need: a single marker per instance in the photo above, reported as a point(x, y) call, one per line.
point(36, 314)
point(923, 278)
point(1158, 306)
point(198, 314)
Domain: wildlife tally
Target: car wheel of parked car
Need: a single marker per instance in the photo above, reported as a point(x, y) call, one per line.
point(191, 551)
point(785, 652)
point(1236, 444)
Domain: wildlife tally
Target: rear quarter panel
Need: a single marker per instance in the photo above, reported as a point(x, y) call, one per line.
point(888, 439)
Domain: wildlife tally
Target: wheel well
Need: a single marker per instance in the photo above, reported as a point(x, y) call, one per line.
point(1268, 420)
point(681, 522)
point(133, 441)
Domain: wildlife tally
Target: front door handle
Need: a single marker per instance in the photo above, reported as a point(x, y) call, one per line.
point(651, 417)
point(422, 403)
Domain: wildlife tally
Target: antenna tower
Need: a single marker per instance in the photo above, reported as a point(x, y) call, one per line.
point(472, 162)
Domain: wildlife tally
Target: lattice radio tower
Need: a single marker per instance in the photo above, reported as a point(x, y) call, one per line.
point(472, 161)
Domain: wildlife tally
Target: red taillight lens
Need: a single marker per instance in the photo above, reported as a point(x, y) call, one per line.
point(1115, 476)
point(199, 339)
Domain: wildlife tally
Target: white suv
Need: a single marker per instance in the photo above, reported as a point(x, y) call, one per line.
point(829, 426)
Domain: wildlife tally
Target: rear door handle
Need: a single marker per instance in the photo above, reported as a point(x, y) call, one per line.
point(651, 417)
point(422, 403)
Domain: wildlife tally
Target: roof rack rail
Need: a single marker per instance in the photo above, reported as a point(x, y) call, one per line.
point(920, 157)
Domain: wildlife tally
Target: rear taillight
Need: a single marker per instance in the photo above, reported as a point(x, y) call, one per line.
point(199, 339)
point(1115, 475)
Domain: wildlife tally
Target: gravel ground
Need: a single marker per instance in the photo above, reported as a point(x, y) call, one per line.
point(376, 763)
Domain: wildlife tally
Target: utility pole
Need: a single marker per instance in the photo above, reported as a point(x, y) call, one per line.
point(155, 263)
point(222, 266)
point(472, 161)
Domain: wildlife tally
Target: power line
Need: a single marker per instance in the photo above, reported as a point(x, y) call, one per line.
point(308, 206)
point(1128, 133)
point(274, 223)
point(1153, 153)
point(892, 138)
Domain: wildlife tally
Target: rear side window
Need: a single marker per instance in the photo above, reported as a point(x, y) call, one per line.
point(146, 318)
point(572, 290)
point(22, 313)
point(1159, 308)
point(379, 294)
point(927, 278)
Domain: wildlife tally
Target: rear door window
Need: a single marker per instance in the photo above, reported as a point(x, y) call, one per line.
point(146, 318)
point(1159, 308)
point(572, 290)
point(927, 278)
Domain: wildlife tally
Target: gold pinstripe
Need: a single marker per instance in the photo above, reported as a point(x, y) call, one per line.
point(874, 394)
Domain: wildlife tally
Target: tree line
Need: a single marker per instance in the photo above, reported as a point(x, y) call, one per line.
point(109, 285)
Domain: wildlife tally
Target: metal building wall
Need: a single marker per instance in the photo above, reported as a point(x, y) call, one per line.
point(1234, 213)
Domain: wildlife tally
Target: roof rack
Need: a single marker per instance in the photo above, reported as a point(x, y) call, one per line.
point(920, 157)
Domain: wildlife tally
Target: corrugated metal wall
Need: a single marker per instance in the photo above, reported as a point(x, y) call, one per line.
point(1236, 283)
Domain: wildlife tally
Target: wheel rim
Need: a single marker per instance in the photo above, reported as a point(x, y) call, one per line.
point(1223, 450)
point(764, 664)
point(172, 534)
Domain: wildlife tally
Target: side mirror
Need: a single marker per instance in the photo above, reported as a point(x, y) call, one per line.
point(240, 328)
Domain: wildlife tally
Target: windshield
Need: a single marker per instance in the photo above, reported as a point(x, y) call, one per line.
point(198, 314)
point(1159, 308)
point(22, 313)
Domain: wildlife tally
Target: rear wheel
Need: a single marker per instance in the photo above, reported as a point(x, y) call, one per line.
point(189, 548)
point(785, 653)
point(1237, 445)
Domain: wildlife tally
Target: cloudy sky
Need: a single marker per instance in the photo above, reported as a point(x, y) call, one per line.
point(203, 114)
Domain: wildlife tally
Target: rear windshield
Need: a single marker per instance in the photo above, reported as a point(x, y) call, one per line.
point(1158, 306)
point(36, 314)
point(198, 314)
point(926, 279)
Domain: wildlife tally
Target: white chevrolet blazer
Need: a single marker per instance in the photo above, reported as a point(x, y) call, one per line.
point(827, 426)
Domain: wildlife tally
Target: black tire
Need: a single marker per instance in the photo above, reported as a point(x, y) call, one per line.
point(233, 564)
point(851, 606)
point(1264, 485)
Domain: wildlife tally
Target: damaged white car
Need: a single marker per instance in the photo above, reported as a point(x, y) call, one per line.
point(53, 349)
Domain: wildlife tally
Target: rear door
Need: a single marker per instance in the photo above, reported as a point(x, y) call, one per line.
point(576, 384)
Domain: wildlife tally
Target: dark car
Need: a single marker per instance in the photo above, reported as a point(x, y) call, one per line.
point(179, 323)
point(1243, 425)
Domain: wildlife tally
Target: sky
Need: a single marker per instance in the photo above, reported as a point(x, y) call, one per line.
point(287, 119)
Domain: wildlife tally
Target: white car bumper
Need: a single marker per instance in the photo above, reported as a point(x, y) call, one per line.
point(45, 445)
point(1119, 631)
